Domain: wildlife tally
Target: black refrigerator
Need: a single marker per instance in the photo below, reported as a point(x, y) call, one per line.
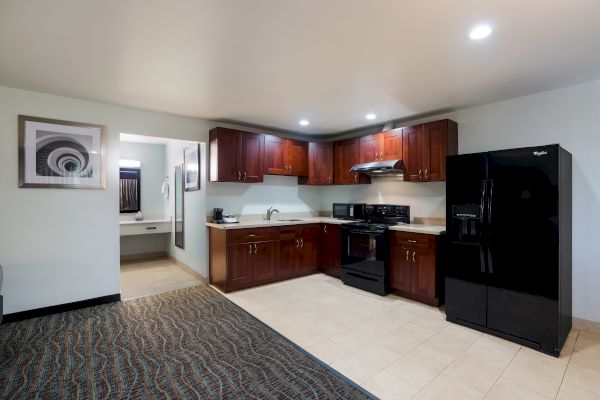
point(508, 271)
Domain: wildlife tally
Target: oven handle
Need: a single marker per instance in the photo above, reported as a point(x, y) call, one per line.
point(367, 232)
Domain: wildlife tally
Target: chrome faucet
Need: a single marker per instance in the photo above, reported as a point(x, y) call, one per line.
point(270, 212)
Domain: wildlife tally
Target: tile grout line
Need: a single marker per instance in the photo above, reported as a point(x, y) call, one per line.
point(449, 365)
point(502, 373)
point(568, 363)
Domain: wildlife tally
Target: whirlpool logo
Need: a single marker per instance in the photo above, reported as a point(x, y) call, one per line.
point(540, 153)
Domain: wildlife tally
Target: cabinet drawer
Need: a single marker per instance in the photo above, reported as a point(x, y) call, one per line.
point(145, 228)
point(421, 241)
point(236, 236)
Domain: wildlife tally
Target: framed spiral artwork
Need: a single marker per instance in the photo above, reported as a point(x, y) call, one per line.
point(61, 154)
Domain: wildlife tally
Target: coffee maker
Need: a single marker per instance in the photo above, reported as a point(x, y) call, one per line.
point(218, 216)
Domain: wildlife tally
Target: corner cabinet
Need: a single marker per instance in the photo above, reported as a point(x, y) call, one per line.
point(416, 268)
point(346, 154)
point(320, 165)
point(236, 156)
point(285, 156)
point(425, 148)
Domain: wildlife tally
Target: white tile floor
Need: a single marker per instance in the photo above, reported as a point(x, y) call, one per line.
point(143, 278)
point(399, 349)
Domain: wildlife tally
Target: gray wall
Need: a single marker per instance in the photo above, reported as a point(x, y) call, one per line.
point(62, 245)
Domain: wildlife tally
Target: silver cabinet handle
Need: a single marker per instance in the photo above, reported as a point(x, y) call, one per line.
point(250, 246)
point(419, 174)
point(356, 178)
point(330, 179)
point(286, 168)
point(412, 241)
point(255, 248)
point(407, 252)
point(245, 175)
point(290, 169)
point(413, 256)
point(426, 174)
point(325, 228)
point(301, 242)
point(239, 175)
point(297, 243)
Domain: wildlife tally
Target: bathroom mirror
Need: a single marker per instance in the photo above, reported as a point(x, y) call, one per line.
point(179, 220)
point(130, 189)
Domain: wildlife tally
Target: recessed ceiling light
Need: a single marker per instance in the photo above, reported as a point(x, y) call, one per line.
point(304, 122)
point(371, 116)
point(480, 32)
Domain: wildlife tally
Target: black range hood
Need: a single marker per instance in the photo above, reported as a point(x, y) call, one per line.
point(381, 169)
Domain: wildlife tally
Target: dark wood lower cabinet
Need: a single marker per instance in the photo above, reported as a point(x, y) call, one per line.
point(242, 258)
point(416, 269)
point(331, 249)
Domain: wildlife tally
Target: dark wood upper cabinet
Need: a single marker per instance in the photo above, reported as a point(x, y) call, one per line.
point(347, 154)
point(285, 156)
point(392, 144)
point(320, 164)
point(275, 163)
point(381, 146)
point(425, 149)
point(370, 148)
point(236, 156)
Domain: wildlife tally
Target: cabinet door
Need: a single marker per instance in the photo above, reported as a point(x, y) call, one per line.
point(442, 137)
point(320, 164)
point(296, 156)
point(253, 146)
point(274, 155)
point(370, 148)
point(402, 266)
point(240, 265)
point(331, 249)
point(263, 261)
point(392, 144)
point(346, 154)
point(412, 148)
point(286, 255)
point(225, 153)
point(423, 273)
point(307, 255)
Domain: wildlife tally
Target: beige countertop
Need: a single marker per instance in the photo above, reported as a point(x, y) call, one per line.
point(420, 228)
point(417, 228)
point(276, 222)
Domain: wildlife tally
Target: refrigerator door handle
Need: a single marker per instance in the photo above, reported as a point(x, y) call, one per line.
point(482, 206)
point(482, 257)
point(489, 259)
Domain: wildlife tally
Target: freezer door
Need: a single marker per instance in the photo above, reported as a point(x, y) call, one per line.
point(466, 179)
point(523, 244)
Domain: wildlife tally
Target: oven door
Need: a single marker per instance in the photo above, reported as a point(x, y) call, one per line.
point(365, 251)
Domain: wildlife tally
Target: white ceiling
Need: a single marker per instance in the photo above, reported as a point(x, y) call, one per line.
point(273, 62)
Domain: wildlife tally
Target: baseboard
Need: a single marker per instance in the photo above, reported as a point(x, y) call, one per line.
point(144, 256)
point(188, 269)
point(586, 325)
point(40, 312)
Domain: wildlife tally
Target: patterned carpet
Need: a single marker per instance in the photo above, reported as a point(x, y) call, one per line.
point(190, 343)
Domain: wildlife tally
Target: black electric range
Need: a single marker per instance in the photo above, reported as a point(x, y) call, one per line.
point(366, 247)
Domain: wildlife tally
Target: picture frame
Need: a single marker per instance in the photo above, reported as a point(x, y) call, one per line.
point(191, 162)
point(61, 154)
